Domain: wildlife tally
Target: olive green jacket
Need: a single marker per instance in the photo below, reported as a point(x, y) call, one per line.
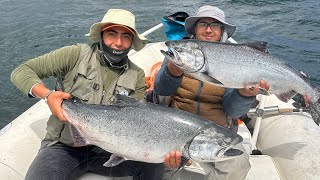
point(84, 76)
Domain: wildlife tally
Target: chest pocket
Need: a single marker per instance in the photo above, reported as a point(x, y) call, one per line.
point(85, 86)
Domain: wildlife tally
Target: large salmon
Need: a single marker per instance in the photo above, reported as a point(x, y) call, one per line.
point(238, 65)
point(136, 130)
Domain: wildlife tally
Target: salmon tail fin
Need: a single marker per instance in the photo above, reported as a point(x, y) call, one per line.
point(286, 96)
point(315, 111)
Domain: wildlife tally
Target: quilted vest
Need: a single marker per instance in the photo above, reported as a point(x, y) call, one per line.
point(200, 98)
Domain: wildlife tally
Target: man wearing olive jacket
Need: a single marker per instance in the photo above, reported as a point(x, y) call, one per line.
point(94, 73)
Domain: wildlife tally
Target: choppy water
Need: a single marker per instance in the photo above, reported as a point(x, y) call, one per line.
point(34, 27)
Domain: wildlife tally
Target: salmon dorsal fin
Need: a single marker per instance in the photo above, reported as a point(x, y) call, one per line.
point(286, 96)
point(259, 45)
point(123, 100)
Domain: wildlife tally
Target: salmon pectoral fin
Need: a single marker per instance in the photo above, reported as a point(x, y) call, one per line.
point(206, 78)
point(114, 161)
point(77, 137)
point(184, 161)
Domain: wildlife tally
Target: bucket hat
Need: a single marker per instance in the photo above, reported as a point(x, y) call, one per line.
point(118, 17)
point(211, 12)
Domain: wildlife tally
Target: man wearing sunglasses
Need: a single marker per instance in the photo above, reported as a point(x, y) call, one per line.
point(220, 105)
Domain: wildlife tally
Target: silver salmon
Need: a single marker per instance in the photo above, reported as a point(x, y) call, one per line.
point(136, 130)
point(239, 65)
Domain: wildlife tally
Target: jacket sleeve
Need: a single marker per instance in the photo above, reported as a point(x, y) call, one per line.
point(51, 64)
point(165, 84)
point(236, 105)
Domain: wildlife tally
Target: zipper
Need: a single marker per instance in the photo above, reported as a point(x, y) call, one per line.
point(103, 93)
point(114, 81)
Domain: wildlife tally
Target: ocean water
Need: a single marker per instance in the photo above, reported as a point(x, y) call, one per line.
point(34, 27)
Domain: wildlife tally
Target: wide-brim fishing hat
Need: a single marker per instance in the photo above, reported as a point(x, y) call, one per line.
point(209, 12)
point(118, 17)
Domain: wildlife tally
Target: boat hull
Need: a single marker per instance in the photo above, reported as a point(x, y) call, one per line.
point(293, 142)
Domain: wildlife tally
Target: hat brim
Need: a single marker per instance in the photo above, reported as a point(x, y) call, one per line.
point(108, 26)
point(138, 41)
point(192, 20)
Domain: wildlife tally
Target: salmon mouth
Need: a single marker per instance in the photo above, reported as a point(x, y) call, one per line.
point(173, 57)
point(167, 53)
point(170, 53)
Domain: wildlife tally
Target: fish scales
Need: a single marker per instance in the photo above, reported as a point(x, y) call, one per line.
point(238, 65)
point(142, 131)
